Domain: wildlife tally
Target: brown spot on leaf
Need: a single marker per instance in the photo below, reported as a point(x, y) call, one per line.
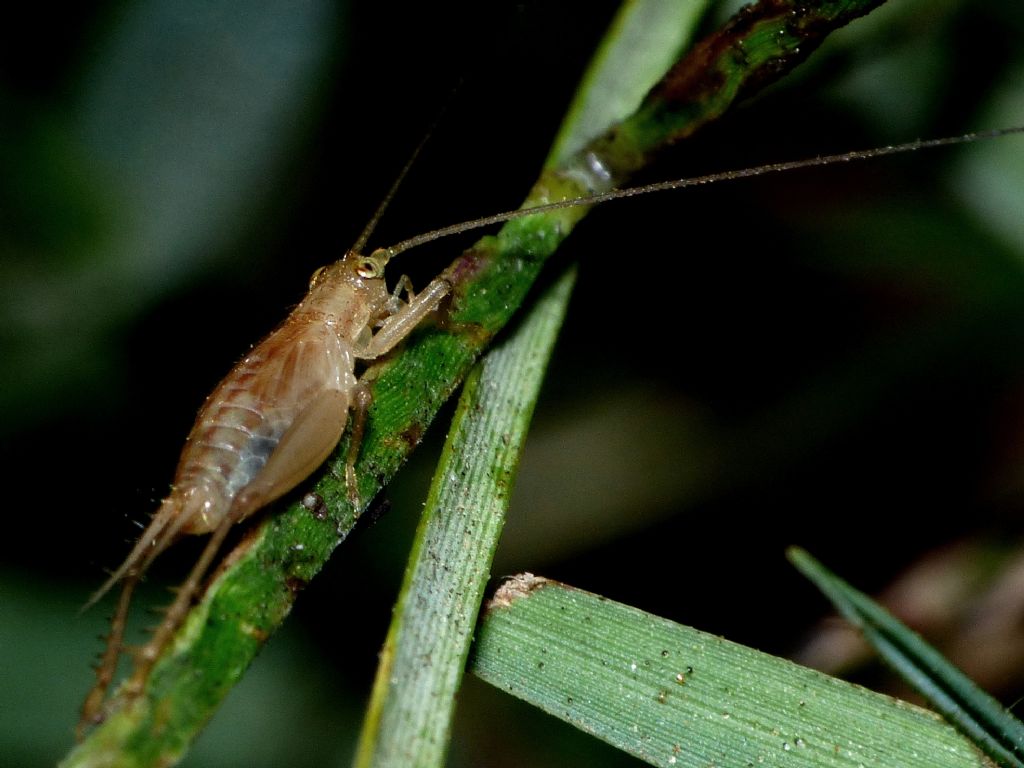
point(514, 588)
point(412, 434)
point(257, 633)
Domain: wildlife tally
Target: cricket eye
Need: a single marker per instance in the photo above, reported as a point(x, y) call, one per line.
point(368, 268)
point(315, 277)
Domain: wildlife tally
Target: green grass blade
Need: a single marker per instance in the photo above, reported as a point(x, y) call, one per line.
point(644, 39)
point(981, 717)
point(409, 719)
point(675, 696)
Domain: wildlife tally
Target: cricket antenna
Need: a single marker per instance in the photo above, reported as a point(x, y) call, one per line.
point(712, 178)
point(371, 225)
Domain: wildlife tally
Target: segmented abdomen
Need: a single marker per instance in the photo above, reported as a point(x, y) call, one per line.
point(243, 420)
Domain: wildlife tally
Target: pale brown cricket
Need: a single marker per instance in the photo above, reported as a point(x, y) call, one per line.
point(282, 410)
point(273, 420)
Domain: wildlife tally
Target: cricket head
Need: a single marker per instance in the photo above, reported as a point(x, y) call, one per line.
point(354, 268)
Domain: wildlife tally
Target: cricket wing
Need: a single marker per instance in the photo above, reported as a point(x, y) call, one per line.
point(271, 422)
point(306, 444)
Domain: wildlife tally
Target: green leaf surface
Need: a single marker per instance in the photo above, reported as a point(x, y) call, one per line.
point(409, 718)
point(981, 717)
point(676, 696)
point(644, 38)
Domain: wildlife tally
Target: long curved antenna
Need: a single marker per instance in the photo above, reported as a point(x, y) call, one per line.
point(712, 178)
point(371, 225)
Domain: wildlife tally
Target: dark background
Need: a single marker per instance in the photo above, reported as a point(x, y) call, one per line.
point(830, 358)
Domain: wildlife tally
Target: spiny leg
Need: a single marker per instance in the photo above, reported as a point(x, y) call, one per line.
point(147, 656)
point(92, 707)
point(162, 529)
point(314, 433)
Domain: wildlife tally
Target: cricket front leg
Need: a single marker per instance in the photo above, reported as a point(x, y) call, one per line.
point(401, 323)
point(395, 328)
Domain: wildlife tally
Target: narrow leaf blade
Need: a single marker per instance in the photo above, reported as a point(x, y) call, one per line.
point(981, 717)
point(408, 721)
point(675, 696)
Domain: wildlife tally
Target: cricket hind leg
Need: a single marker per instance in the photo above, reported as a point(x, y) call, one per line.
point(160, 532)
point(307, 443)
point(146, 657)
point(92, 707)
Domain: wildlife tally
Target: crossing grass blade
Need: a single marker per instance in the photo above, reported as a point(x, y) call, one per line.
point(674, 696)
point(981, 717)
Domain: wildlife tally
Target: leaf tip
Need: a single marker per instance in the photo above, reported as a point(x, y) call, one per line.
point(795, 553)
point(801, 559)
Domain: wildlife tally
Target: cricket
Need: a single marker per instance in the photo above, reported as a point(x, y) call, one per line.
point(270, 423)
point(283, 409)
